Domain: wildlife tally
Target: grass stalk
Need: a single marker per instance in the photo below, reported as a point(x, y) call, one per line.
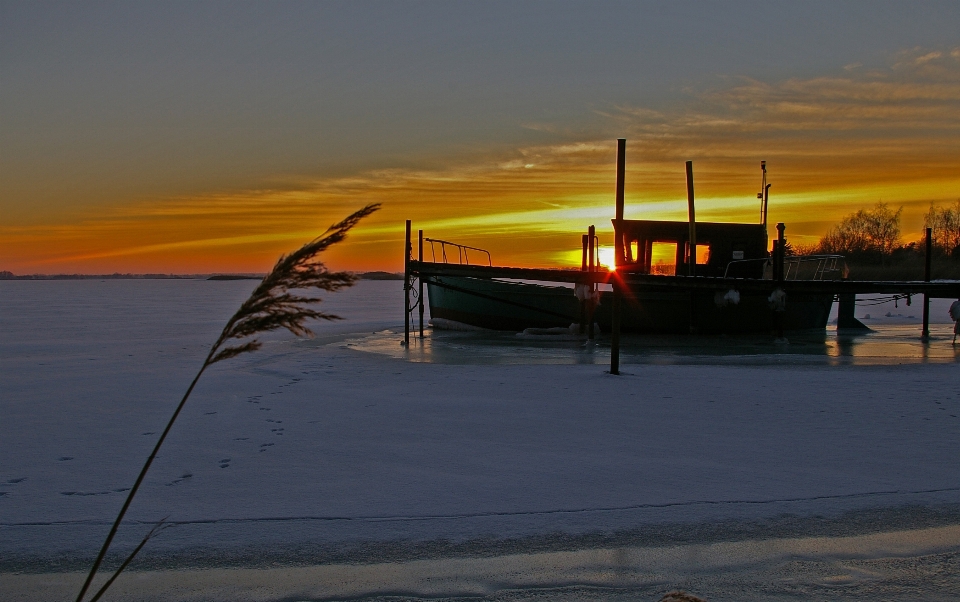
point(269, 307)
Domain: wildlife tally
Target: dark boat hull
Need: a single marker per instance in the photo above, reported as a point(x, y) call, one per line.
point(501, 305)
point(514, 306)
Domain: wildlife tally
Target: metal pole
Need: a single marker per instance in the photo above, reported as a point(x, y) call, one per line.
point(764, 195)
point(420, 281)
point(925, 333)
point(617, 259)
point(406, 285)
point(692, 216)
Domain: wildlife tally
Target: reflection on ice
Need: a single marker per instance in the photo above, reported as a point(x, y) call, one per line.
point(886, 344)
point(910, 564)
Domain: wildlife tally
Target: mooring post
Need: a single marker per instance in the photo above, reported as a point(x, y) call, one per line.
point(584, 241)
point(781, 252)
point(420, 282)
point(407, 250)
point(592, 261)
point(925, 333)
point(691, 247)
point(617, 260)
point(776, 262)
point(692, 216)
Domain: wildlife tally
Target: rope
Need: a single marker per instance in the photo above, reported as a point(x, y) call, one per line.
point(882, 300)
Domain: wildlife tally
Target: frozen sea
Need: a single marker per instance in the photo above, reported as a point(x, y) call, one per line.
point(470, 464)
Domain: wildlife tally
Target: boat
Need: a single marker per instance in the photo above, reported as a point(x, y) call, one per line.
point(661, 304)
point(671, 276)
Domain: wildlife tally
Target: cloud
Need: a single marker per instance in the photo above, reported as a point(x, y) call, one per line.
point(833, 143)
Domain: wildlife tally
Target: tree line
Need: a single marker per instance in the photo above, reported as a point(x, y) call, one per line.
point(873, 236)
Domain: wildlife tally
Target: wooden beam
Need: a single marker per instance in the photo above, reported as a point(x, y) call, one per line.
point(617, 258)
point(936, 290)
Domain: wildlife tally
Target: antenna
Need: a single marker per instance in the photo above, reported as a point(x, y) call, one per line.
point(764, 194)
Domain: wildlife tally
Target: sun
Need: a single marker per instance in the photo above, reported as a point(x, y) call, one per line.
point(606, 256)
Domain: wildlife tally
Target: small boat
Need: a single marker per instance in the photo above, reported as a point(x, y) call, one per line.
point(673, 277)
point(653, 307)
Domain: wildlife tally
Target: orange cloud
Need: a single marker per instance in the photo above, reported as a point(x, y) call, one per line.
point(833, 144)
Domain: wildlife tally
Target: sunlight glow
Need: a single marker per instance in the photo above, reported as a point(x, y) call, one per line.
point(833, 145)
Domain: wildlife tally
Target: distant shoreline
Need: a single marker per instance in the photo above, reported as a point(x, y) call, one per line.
point(117, 276)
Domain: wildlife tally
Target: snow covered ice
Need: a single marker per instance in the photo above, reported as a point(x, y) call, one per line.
point(471, 463)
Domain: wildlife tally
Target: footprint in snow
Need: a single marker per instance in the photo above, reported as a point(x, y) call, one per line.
point(64, 458)
point(149, 433)
point(184, 476)
point(17, 480)
point(240, 438)
point(209, 413)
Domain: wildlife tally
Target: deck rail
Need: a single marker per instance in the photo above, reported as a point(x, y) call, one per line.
point(463, 251)
point(812, 267)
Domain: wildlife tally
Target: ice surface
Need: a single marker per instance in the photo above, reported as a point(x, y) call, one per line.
point(342, 449)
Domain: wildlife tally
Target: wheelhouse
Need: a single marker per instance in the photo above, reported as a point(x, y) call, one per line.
point(722, 249)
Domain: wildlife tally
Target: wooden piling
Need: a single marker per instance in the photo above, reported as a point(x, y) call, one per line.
point(779, 257)
point(420, 282)
point(407, 250)
point(781, 251)
point(584, 242)
point(925, 332)
point(692, 217)
point(846, 313)
point(592, 261)
point(618, 260)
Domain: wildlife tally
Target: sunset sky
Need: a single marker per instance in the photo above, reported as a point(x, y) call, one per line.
point(197, 137)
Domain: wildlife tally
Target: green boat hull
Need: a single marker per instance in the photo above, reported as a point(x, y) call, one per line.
point(500, 305)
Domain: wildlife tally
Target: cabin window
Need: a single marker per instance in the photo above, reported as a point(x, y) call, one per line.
point(703, 254)
point(663, 259)
point(632, 251)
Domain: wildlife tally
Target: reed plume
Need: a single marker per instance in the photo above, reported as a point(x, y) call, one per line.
point(271, 306)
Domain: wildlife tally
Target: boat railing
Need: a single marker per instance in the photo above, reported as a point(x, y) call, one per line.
point(463, 251)
point(800, 267)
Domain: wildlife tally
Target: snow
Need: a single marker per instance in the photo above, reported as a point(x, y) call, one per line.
point(351, 447)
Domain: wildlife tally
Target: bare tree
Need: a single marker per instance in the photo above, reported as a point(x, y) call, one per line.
point(873, 232)
point(945, 223)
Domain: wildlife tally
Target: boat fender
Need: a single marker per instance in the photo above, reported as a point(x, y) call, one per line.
point(723, 299)
point(585, 292)
point(778, 300)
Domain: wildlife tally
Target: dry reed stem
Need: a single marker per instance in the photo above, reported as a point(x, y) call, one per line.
point(270, 306)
